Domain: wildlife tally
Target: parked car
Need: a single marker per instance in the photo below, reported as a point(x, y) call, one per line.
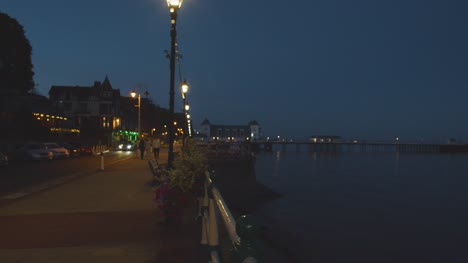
point(32, 151)
point(72, 149)
point(58, 151)
point(83, 149)
point(3, 159)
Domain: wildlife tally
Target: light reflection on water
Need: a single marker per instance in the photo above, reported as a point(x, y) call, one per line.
point(276, 171)
point(368, 207)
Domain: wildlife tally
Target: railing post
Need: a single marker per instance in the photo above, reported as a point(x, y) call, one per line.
point(204, 235)
point(213, 238)
point(210, 236)
point(199, 196)
point(246, 251)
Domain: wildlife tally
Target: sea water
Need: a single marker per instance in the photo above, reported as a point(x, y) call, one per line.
point(366, 207)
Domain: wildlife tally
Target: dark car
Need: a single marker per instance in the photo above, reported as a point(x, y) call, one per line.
point(72, 149)
point(83, 149)
point(3, 159)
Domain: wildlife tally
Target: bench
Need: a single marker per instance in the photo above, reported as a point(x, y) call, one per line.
point(159, 173)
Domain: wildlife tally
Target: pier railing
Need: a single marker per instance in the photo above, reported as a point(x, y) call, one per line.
point(224, 150)
point(242, 232)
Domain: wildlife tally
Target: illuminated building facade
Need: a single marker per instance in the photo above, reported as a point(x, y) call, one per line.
point(94, 110)
point(251, 131)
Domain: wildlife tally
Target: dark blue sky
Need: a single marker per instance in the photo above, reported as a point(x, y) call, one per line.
point(360, 69)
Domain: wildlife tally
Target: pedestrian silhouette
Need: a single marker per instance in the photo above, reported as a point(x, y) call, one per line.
point(142, 148)
point(156, 146)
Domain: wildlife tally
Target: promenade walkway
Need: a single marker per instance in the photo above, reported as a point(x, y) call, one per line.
point(107, 216)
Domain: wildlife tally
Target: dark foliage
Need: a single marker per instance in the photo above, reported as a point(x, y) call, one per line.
point(16, 74)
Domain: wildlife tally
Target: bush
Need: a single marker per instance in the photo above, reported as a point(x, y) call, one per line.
point(189, 168)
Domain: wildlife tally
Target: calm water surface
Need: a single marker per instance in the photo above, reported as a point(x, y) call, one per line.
point(367, 207)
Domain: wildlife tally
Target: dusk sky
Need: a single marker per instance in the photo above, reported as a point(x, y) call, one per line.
point(361, 69)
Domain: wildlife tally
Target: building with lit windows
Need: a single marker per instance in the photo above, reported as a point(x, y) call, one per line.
point(325, 139)
point(94, 110)
point(252, 131)
point(31, 117)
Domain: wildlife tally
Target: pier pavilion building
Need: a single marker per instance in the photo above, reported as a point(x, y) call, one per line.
point(251, 131)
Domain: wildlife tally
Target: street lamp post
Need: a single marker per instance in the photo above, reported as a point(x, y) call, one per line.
point(133, 94)
point(174, 6)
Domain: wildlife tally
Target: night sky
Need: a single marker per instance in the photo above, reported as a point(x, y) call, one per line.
point(360, 69)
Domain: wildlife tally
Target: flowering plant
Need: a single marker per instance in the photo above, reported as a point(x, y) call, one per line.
point(189, 168)
point(179, 182)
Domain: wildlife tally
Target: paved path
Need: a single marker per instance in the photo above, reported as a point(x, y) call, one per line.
point(108, 216)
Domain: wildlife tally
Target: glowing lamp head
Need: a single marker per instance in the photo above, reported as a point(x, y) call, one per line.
point(184, 87)
point(133, 94)
point(187, 107)
point(174, 4)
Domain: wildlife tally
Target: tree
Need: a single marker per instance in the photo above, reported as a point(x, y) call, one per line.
point(16, 74)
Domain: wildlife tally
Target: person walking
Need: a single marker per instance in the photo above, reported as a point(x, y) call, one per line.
point(156, 146)
point(148, 149)
point(142, 148)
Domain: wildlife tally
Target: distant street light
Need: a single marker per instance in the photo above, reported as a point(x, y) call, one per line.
point(174, 6)
point(184, 87)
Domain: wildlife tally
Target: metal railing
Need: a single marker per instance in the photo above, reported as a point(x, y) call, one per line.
point(98, 149)
point(241, 233)
point(225, 150)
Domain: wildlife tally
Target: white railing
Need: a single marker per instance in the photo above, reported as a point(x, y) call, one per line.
point(211, 200)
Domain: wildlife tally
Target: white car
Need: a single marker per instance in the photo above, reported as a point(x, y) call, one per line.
point(58, 151)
